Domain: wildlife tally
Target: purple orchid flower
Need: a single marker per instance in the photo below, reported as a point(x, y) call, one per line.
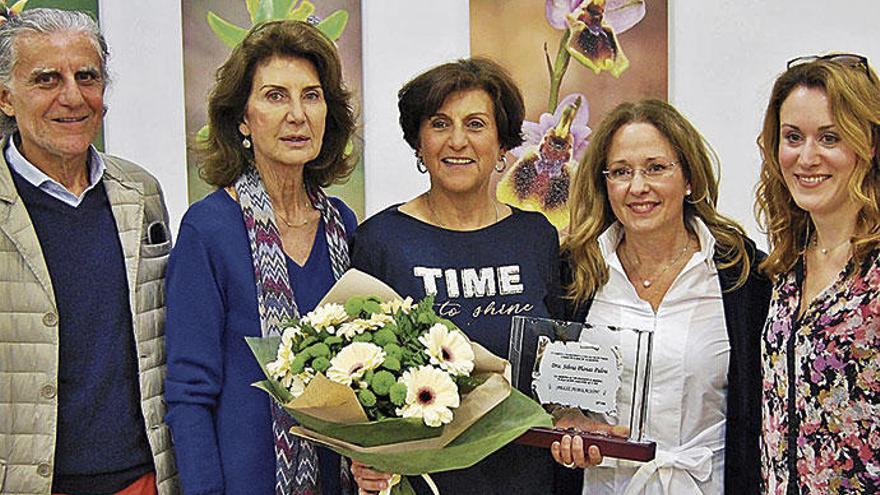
point(533, 132)
point(619, 14)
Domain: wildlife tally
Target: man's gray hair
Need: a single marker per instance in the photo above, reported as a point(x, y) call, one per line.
point(44, 21)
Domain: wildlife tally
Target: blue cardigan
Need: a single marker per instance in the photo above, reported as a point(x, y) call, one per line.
point(220, 424)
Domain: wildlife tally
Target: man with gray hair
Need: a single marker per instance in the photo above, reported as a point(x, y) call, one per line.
point(83, 248)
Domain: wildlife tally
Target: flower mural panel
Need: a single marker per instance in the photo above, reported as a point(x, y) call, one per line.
point(602, 52)
point(211, 28)
point(540, 178)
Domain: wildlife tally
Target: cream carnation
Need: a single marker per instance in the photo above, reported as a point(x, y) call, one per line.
point(326, 317)
point(430, 394)
point(297, 383)
point(391, 307)
point(448, 349)
point(280, 368)
point(353, 361)
point(379, 320)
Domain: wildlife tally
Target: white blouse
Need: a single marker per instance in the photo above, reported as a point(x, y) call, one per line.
point(687, 400)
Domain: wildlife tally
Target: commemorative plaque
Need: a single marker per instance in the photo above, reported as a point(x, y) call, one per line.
point(598, 374)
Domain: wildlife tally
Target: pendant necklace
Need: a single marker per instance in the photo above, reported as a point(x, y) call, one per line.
point(831, 249)
point(647, 282)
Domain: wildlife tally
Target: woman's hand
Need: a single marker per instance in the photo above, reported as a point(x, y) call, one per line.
point(367, 479)
point(570, 453)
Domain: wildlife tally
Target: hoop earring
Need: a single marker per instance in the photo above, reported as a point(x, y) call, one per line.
point(420, 164)
point(503, 163)
point(246, 142)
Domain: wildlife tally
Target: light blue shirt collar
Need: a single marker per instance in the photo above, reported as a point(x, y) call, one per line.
point(50, 186)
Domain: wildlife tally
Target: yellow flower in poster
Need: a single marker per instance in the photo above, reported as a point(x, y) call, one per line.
point(541, 177)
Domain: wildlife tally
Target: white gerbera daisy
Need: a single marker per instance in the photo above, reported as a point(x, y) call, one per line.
point(353, 361)
point(391, 307)
point(430, 394)
point(448, 349)
point(326, 317)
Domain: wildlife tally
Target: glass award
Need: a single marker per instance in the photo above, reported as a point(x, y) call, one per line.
point(600, 372)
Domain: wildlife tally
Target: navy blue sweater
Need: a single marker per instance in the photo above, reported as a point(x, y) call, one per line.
point(101, 445)
point(221, 425)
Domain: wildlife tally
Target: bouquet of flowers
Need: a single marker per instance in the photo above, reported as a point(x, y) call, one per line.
point(386, 381)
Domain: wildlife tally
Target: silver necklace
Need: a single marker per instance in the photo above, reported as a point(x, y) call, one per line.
point(437, 217)
point(831, 249)
point(647, 282)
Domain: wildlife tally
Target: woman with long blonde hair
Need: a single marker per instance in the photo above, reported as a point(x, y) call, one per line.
point(818, 201)
point(649, 250)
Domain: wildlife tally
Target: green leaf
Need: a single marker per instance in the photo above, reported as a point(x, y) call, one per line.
point(334, 24)
point(372, 307)
point(371, 433)
point(503, 424)
point(227, 32)
point(302, 12)
point(354, 306)
point(203, 134)
point(269, 10)
point(391, 363)
point(18, 6)
point(252, 6)
point(403, 488)
point(364, 337)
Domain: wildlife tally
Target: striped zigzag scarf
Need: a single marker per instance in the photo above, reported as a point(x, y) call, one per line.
point(296, 459)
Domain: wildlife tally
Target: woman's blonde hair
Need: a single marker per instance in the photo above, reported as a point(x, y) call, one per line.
point(591, 213)
point(854, 96)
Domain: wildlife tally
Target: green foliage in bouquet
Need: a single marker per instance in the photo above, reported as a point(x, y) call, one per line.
point(379, 382)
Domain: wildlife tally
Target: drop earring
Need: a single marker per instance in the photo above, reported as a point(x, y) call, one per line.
point(246, 142)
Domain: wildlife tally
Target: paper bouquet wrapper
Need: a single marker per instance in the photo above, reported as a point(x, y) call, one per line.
point(490, 416)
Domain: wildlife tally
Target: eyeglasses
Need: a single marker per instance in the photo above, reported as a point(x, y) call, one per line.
point(851, 60)
point(654, 172)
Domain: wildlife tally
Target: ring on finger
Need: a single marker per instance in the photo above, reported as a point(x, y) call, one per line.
point(569, 465)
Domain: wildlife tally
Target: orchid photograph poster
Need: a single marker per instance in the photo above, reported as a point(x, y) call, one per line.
point(574, 60)
point(211, 28)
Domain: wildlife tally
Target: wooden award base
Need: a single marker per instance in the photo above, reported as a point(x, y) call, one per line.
point(609, 446)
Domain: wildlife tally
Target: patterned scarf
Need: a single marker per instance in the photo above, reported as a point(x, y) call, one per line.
point(296, 461)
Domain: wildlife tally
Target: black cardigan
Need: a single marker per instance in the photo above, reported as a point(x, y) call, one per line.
point(745, 311)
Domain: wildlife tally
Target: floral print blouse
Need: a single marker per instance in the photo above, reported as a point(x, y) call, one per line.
point(821, 385)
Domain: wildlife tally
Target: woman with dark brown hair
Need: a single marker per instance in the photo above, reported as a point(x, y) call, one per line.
point(484, 261)
point(265, 246)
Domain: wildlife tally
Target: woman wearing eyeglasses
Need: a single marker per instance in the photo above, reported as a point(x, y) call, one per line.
point(648, 250)
point(818, 201)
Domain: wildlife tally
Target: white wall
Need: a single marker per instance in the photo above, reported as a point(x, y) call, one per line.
point(419, 35)
point(724, 56)
point(145, 121)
